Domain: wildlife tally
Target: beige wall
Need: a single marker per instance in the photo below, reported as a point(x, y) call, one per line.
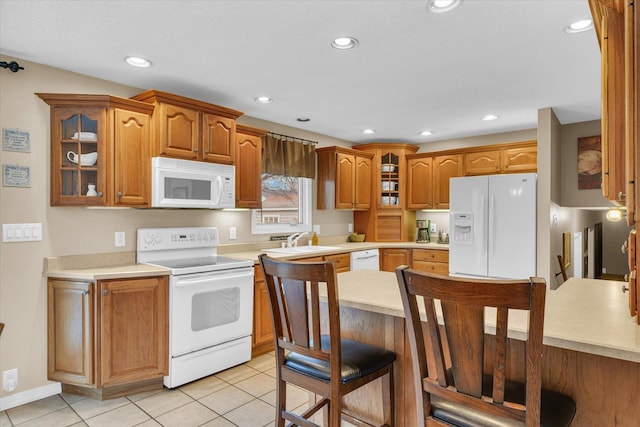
point(69, 230)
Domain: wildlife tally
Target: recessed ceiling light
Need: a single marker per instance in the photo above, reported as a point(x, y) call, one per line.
point(368, 131)
point(490, 117)
point(426, 133)
point(137, 61)
point(441, 6)
point(579, 26)
point(344, 42)
point(303, 119)
point(264, 100)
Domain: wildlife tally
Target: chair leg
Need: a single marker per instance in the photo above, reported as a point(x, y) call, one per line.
point(335, 407)
point(389, 398)
point(281, 402)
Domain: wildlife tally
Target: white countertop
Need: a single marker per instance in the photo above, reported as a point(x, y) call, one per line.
point(590, 316)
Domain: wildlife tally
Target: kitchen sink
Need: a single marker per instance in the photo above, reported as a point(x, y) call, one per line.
point(301, 249)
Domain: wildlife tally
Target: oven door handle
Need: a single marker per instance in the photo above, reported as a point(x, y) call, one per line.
point(191, 281)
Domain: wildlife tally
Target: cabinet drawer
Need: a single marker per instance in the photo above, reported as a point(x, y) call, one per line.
point(343, 261)
point(433, 255)
point(432, 267)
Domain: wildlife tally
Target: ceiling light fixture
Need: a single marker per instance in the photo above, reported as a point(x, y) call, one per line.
point(615, 214)
point(137, 61)
point(426, 133)
point(490, 117)
point(579, 26)
point(264, 100)
point(368, 131)
point(442, 6)
point(344, 42)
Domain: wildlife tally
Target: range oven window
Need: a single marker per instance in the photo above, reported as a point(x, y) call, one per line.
point(215, 308)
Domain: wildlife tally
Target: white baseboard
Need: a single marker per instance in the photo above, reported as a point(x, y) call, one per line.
point(29, 396)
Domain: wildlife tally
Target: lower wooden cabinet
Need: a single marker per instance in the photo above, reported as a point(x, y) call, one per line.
point(262, 338)
point(431, 260)
point(343, 261)
point(108, 338)
point(392, 258)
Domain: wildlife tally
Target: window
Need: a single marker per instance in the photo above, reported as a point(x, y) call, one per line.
point(286, 205)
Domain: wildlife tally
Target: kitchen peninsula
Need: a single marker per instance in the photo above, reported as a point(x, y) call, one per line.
point(591, 345)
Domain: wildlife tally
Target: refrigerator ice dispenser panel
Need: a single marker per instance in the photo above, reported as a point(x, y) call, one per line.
point(463, 228)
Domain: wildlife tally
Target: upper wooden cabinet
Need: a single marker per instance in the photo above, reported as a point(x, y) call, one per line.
point(616, 24)
point(248, 161)
point(388, 219)
point(189, 129)
point(428, 179)
point(108, 333)
point(428, 174)
point(102, 141)
point(445, 167)
point(517, 157)
point(344, 178)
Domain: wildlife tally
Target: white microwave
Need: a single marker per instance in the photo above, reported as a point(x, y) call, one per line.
point(177, 183)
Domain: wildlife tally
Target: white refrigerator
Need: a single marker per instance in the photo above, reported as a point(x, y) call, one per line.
point(493, 226)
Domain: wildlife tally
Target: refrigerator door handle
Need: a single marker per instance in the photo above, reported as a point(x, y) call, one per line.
point(492, 224)
point(484, 229)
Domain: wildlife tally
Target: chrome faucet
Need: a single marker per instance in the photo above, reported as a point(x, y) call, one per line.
point(292, 241)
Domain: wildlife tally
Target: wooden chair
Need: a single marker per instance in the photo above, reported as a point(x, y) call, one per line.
point(471, 384)
point(563, 270)
point(325, 364)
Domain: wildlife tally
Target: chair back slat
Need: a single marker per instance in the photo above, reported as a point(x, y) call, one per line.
point(296, 311)
point(460, 347)
point(464, 326)
point(500, 355)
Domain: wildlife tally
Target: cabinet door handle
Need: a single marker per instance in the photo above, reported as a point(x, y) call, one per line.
point(105, 292)
point(621, 196)
point(85, 293)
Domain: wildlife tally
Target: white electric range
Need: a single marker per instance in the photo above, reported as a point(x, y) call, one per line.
point(210, 301)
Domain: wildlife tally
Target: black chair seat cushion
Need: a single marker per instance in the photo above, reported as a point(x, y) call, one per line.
point(556, 409)
point(358, 360)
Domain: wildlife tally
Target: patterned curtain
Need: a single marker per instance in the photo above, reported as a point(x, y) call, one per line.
point(288, 156)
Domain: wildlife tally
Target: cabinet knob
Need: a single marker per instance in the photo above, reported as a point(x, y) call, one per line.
point(119, 194)
point(624, 288)
point(99, 193)
point(85, 293)
point(195, 150)
point(105, 292)
point(620, 196)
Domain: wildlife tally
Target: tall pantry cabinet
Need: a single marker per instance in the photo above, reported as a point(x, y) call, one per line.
point(388, 219)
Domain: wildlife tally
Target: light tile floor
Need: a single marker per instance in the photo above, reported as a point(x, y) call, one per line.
point(242, 396)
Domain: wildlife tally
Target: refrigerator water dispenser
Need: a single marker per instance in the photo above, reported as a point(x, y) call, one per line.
point(462, 224)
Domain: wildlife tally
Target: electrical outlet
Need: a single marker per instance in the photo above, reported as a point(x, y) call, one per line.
point(316, 229)
point(120, 238)
point(10, 379)
point(350, 230)
point(433, 227)
point(232, 233)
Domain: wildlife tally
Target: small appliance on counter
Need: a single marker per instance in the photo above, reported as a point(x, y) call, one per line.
point(422, 235)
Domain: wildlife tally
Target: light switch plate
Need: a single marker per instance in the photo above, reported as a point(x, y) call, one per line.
point(30, 232)
point(316, 229)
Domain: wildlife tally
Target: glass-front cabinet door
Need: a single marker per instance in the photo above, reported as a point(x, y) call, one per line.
point(389, 181)
point(78, 154)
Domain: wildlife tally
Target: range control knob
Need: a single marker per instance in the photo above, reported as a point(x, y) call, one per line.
point(157, 238)
point(148, 239)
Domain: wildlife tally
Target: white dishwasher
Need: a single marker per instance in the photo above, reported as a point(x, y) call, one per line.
point(365, 260)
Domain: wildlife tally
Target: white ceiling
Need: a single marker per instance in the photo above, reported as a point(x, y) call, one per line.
point(412, 71)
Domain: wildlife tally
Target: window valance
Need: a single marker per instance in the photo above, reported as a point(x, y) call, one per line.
point(288, 156)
